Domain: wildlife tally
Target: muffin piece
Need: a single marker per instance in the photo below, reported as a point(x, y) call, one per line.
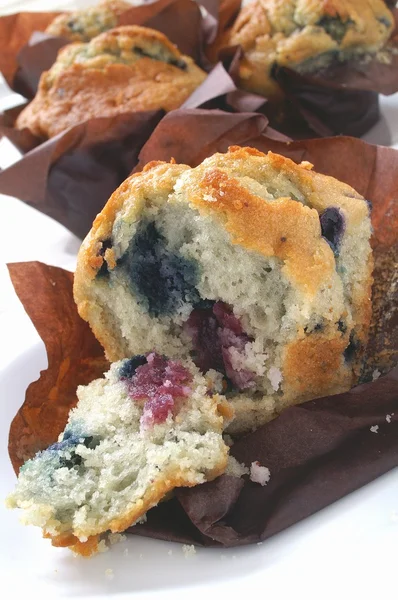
point(85, 24)
point(257, 268)
point(126, 69)
point(152, 424)
point(305, 35)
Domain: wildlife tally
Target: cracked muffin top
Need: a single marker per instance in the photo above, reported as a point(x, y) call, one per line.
point(127, 69)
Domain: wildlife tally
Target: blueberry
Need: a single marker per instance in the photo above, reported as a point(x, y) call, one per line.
point(91, 441)
point(75, 460)
point(332, 226)
point(104, 271)
point(335, 27)
point(69, 443)
point(352, 348)
point(163, 280)
point(370, 206)
point(75, 26)
point(341, 326)
point(313, 328)
point(384, 21)
point(204, 304)
point(141, 52)
point(176, 62)
point(129, 366)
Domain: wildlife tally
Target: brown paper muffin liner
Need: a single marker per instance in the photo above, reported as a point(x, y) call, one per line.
point(316, 452)
point(71, 176)
point(26, 51)
point(341, 99)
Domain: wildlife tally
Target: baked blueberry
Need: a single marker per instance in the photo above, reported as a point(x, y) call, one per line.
point(332, 226)
point(161, 278)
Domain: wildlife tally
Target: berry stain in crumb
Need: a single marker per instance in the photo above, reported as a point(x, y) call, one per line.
point(159, 383)
point(215, 332)
point(162, 279)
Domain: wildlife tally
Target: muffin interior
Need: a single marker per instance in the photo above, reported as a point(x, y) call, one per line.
point(175, 278)
point(150, 425)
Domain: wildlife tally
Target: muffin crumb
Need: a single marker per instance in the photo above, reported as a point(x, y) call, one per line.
point(115, 538)
point(188, 550)
point(259, 474)
point(235, 468)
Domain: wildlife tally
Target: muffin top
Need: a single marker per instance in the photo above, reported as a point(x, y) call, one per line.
point(307, 34)
point(126, 69)
point(85, 24)
point(124, 45)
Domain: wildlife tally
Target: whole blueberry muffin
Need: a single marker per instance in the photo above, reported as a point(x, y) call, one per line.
point(152, 424)
point(305, 35)
point(84, 24)
point(257, 268)
point(129, 68)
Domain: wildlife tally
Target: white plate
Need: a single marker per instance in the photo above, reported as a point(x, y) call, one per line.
point(348, 549)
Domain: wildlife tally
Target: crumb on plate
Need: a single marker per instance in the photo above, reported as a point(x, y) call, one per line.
point(259, 474)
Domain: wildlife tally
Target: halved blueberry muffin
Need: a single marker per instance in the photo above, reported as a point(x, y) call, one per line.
point(152, 424)
point(256, 268)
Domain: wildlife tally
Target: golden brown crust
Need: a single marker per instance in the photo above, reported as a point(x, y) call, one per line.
point(270, 228)
point(68, 540)
point(93, 80)
point(313, 364)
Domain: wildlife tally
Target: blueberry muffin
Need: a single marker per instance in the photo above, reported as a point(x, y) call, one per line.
point(85, 24)
point(257, 268)
point(305, 35)
point(129, 68)
point(152, 424)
